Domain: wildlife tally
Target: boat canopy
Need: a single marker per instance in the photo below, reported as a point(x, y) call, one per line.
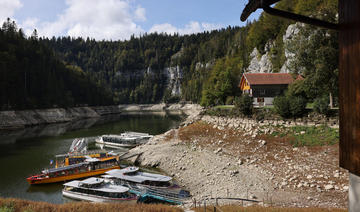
point(48, 171)
point(109, 188)
point(139, 177)
point(92, 181)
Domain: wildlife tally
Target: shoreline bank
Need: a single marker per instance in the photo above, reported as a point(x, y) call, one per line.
point(24, 118)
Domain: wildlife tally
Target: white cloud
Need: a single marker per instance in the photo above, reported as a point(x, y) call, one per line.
point(140, 14)
point(29, 25)
point(99, 19)
point(167, 28)
point(7, 8)
point(191, 27)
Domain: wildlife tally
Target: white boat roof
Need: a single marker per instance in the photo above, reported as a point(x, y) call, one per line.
point(47, 171)
point(109, 188)
point(92, 181)
point(92, 159)
point(139, 177)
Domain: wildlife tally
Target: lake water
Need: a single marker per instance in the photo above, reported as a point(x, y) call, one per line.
point(26, 152)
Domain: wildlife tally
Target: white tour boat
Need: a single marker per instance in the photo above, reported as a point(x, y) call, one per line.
point(126, 139)
point(97, 190)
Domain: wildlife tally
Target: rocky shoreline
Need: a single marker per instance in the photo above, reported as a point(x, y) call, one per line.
point(24, 118)
point(219, 157)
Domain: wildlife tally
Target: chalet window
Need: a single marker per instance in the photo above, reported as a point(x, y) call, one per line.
point(262, 92)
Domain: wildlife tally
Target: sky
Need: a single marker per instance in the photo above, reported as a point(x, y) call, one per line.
point(119, 19)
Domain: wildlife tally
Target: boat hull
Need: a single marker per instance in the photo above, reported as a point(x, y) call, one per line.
point(33, 181)
point(94, 198)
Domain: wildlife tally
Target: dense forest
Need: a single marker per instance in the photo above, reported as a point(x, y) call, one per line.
point(208, 65)
point(32, 77)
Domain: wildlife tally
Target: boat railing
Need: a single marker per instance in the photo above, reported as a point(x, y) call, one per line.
point(159, 193)
point(92, 152)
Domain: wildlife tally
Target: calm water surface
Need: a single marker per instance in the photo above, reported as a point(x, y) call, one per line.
point(28, 151)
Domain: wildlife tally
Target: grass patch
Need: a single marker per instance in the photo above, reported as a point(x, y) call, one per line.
point(220, 111)
point(6, 209)
point(224, 106)
point(235, 208)
point(10, 205)
point(314, 136)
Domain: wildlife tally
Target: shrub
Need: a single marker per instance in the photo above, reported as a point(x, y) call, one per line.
point(321, 105)
point(282, 106)
point(229, 100)
point(297, 105)
point(244, 104)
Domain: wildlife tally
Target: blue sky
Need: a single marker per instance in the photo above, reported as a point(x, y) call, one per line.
point(119, 19)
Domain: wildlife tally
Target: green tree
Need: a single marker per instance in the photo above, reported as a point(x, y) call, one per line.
point(244, 104)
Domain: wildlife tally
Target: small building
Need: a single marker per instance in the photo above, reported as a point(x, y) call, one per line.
point(264, 87)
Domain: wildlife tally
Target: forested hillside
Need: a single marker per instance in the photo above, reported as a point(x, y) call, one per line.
point(203, 68)
point(206, 67)
point(140, 70)
point(32, 77)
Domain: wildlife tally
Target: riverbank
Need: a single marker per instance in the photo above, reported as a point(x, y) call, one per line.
point(219, 157)
point(24, 118)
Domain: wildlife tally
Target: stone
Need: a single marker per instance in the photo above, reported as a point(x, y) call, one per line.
point(309, 177)
point(218, 150)
point(329, 187)
point(262, 142)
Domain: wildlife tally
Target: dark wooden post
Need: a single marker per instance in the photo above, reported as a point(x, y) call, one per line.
point(349, 96)
point(349, 84)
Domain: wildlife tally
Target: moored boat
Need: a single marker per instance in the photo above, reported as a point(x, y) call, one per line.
point(132, 175)
point(90, 167)
point(126, 139)
point(97, 190)
point(148, 186)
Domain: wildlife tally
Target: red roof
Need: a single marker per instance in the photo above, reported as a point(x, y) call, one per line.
point(268, 78)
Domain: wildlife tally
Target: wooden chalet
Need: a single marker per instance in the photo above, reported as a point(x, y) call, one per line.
point(264, 87)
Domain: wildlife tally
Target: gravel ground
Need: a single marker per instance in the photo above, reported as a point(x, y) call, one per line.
point(215, 160)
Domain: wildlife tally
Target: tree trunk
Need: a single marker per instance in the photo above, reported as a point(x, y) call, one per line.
point(331, 104)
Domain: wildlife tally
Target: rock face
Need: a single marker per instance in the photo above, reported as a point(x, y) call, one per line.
point(258, 63)
point(288, 37)
point(174, 76)
point(262, 63)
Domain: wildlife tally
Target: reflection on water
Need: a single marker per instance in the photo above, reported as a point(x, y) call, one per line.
point(27, 151)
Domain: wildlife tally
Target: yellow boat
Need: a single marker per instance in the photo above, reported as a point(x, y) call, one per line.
point(90, 167)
